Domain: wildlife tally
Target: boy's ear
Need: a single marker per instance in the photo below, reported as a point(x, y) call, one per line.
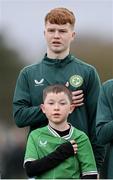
point(42, 108)
point(72, 107)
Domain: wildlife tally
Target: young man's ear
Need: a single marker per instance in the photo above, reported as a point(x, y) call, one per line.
point(73, 36)
point(44, 32)
point(42, 108)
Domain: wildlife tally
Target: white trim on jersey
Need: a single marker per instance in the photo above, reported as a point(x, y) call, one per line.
point(29, 159)
point(68, 136)
point(89, 173)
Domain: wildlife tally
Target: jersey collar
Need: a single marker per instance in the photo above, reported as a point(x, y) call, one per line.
point(68, 136)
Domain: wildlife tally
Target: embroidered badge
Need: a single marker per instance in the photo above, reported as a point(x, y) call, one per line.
point(39, 83)
point(42, 143)
point(76, 81)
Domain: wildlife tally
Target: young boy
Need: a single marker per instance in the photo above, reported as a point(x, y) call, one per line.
point(51, 151)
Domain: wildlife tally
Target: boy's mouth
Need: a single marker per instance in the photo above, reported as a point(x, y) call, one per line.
point(56, 114)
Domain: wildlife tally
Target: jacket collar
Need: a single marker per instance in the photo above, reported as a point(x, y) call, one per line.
point(57, 62)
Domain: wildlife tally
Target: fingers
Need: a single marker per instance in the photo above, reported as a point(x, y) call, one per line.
point(74, 146)
point(72, 142)
point(77, 92)
point(77, 97)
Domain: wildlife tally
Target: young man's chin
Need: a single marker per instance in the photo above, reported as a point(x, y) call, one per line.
point(57, 50)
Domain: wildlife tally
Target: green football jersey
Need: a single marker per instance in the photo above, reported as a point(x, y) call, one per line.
point(45, 140)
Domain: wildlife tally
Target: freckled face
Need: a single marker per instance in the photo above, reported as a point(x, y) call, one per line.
point(57, 107)
point(58, 37)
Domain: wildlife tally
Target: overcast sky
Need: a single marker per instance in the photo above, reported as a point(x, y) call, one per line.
point(23, 21)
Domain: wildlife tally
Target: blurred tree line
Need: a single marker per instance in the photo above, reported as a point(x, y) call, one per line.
point(97, 52)
point(12, 139)
point(10, 65)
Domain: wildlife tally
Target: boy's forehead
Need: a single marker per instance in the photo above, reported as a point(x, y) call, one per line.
point(54, 95)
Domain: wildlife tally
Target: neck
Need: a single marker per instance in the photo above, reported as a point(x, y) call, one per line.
point(53, 55)
point(60, 127)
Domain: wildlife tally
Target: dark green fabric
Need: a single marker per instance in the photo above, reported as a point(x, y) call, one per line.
point(105, 125)
point(34, 78)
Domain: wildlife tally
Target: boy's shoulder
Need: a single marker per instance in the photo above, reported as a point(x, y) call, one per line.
point(38, 131)
point(79, 135)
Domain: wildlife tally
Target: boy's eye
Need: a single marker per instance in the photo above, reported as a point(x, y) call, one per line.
point(62, 103)
point(50, 103)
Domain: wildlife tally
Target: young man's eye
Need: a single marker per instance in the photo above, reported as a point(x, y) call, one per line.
point(62, 31)
point(51, 30)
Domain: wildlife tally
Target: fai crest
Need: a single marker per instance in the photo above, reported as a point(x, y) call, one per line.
point(76, 81)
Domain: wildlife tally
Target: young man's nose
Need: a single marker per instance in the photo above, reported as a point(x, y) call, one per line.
point(56, 34)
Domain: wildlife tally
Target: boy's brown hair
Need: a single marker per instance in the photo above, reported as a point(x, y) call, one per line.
point(60, 16)
point(57, 88)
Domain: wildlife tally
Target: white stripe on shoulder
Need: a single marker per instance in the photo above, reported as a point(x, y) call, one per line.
point(89, 173)
point(29, 159)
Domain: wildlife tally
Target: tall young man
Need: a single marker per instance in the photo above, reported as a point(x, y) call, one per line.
point(59, 66)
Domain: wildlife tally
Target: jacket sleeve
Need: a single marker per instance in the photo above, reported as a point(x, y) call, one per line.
point(105, 116)
point(93, 89)
point(23, 112)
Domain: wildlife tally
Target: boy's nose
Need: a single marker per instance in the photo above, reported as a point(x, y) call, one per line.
point(56, 106)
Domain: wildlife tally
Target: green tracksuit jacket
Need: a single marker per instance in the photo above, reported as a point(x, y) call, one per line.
point(70, 71)
point(105, 124)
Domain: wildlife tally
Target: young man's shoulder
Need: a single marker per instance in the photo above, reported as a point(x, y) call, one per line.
point(107, 88)
point(82, 63)
point(31, 67)
point(108, 83)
